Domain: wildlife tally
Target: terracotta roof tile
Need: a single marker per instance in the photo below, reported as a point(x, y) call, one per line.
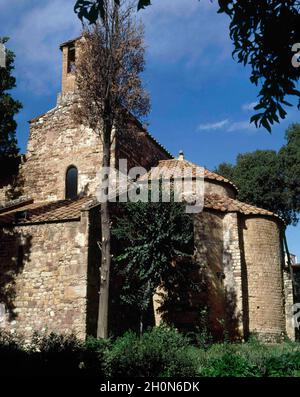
point(61, 210)
point(175, 164)
point(226, 204)
point(65, 210)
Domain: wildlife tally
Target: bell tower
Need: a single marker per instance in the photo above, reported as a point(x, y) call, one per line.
point(69, 49)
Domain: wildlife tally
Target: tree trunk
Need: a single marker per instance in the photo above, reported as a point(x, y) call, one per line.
point(102, 324)
point(141, 324)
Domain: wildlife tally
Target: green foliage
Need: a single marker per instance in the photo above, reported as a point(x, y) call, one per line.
point(159, 352)
point(285, 365)
point(13, 356)
point(45, 355)
point(263, 33)
point(56, 355)
point(253, 359)
point(229, 365)
point(92, 10)
point(269, 179)
point(226, 170)
point(289, 158)
point(155, 237)
point(8, 107)
point(94, 356)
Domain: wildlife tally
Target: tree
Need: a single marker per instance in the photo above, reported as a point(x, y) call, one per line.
point(289, 158)
point(9, 107)
point(264, 33)
point(91, 10)
point(269, 179)
point(111, 58)
point(157, 241)
point(226, 170)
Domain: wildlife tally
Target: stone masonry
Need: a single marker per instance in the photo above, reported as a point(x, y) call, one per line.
point(49, 251)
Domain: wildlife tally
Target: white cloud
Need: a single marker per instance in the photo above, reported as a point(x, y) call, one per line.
point(35, 37)
point(240, 126)
point(175, 31)
point(228, 126)
point(189, 30)
point(249, 106)
point(213, 126)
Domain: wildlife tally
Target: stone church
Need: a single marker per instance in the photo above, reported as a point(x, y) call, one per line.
point(49, 256)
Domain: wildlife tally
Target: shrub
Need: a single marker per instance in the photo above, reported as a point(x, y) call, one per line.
point(57, 355)
point(168, 353)
point(123, 359)
point(284, 365)
point(159, 352)
point(13, 356)
point(94, 359)
point(229, 365)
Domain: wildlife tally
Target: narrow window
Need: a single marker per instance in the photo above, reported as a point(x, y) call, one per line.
point(71, 59)
point(20, 261)
point(71, 182)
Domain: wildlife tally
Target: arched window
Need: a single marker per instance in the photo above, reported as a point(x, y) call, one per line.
point(71, 182)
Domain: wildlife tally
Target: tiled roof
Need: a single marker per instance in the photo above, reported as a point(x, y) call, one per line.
point(174, 165)
point(226, 204)
point(61, 210)
point(68, 210)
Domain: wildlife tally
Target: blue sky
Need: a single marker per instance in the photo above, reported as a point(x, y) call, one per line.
point(201, 98)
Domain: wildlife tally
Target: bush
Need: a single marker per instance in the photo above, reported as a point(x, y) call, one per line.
point(57, 355)
point(284, 366)
point(250, 359)
point(13, 356)
point(159, 352)
point(230, 365)
point(94, 359)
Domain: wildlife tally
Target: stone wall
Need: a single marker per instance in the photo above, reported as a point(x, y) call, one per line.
point(263, 261)
point(44, 277)
point(139, 148)
point(289, 302)
point(4, 188)
point(55, 143)
point(68, 78)
point(217, 252)
point(213, 187)
point(233, 279)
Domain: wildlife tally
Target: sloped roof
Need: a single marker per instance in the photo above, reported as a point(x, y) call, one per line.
point(173, 165)
point(70, 210)
point(68, 42)
point(216, 202)
point(226, 204)
point(62, 210)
